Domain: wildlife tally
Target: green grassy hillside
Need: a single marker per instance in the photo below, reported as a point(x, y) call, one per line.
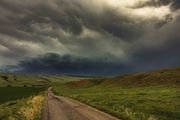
point(19, 93)
point(62, 79)
point(169, 77)
point(21, 80)
point(7, 80)
point(141, 96)
point(15, 93)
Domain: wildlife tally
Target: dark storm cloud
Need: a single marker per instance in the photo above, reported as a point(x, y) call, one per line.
point(162, 53)
point(107, 33)
point(55, 64)
point(149, 59)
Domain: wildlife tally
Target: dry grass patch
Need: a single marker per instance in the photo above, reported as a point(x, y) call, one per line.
point(33, 107)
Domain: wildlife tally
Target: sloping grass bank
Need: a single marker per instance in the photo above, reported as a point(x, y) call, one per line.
point(21, 103)
point(23, 109)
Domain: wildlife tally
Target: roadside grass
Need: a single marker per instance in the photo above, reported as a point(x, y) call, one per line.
point(128, 103)
point(19, 103)
point(21, 96)
point(22, 109)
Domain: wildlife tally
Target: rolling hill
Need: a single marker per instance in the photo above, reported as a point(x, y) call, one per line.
point(170, 77)
point(151, 95)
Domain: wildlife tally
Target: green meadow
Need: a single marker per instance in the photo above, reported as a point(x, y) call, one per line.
point(18, 104)
point(20, 93)
point(141, 96)
point(15, 91)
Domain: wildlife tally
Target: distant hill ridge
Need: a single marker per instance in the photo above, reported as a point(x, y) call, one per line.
point(169, 77)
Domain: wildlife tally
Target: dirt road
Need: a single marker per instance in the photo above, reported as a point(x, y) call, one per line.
point(61, 108)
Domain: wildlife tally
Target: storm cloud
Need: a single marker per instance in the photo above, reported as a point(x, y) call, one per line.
point(56, 64)
point(131, 35)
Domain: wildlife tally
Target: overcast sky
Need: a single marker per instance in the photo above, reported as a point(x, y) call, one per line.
point(90, 36)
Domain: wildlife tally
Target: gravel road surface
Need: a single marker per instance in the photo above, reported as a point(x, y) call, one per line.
point(62, 108)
